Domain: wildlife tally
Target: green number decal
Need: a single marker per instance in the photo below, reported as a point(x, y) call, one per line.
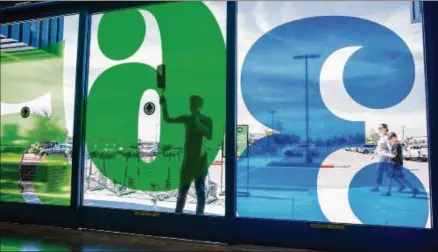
point(193, 51)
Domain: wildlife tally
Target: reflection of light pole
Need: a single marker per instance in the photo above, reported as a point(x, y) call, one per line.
point(403, 133)
point(280, 126)
point(272, 112)
point(306, 58)
point(272, 120)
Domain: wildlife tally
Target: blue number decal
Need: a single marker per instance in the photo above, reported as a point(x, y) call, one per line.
point(285, 66)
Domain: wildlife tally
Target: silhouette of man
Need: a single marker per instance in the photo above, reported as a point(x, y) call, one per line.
point(194, 166)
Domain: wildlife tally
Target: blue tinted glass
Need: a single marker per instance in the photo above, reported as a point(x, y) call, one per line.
point(334, 97)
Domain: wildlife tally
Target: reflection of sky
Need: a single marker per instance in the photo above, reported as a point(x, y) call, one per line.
point(256, 18)
point(379, 75)
point(260, 17)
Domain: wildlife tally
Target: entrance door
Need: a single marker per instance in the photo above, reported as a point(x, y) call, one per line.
point(155, 117)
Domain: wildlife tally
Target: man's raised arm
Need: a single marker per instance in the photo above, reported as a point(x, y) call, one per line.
point(166, 117)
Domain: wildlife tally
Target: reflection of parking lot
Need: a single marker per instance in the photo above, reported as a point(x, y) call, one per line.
point(290, 192)
point(265, 176)
point(101, 192)
point(357, 161)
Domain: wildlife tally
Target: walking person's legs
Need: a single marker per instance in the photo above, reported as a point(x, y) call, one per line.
point(401, 185)
point(381, 168)
point(398, 177)
point(184, 186)
point(380, 171)
point(181, 199)
point(388, 193)
point(413, 188)
point(200, 194)
point(390, 173)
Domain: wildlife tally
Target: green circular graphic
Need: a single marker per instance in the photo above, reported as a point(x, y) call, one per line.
point(120, 40)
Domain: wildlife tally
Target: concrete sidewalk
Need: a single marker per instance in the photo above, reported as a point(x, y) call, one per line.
point(38, 238)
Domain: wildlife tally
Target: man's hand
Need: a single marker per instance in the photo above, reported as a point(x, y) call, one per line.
point(198, 123)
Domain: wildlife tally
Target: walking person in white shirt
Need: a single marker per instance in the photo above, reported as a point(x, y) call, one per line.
point(383, 148)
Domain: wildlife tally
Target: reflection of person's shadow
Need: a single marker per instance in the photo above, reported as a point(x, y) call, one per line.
point(407, 194)
point(194, 166)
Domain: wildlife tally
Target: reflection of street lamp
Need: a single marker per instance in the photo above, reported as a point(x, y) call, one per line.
point(272, 112)
point(306, 58)
point(403, 133)
point(280, 126)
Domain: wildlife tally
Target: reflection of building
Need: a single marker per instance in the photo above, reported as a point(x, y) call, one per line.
point(417, 140)
point(31, 35)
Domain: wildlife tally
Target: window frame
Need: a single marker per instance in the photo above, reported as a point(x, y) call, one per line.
point(230, 229)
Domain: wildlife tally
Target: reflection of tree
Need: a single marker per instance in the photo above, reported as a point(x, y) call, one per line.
point(44, 113)
point(170, 152)
point(103, 151)
point(342, 140)
point(338, 140)
point(320, 142)
point(46, 130)
point(286, 139)
point(11, 141)
point(268, 144)
point(357, 138)
point(35, 149)
point(130, 152)
point(373, 137)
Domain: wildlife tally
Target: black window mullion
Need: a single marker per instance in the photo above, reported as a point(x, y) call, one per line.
point(231, 111)
point(81, 87)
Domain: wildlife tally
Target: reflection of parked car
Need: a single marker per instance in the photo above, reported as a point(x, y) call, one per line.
point(424, 154)
point(367, 148)
point(412, 152)
point(355, 149)
point(300, 149)
point(47, 145)
point(148, 149)
point(57, 149)
point(402, 145)
point(406, 153)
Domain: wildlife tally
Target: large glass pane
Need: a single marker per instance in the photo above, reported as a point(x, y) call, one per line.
point(156, 108)
point(38, 66)
point(322, 84)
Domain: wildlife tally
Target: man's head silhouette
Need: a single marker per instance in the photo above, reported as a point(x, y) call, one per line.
point(196, 103)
